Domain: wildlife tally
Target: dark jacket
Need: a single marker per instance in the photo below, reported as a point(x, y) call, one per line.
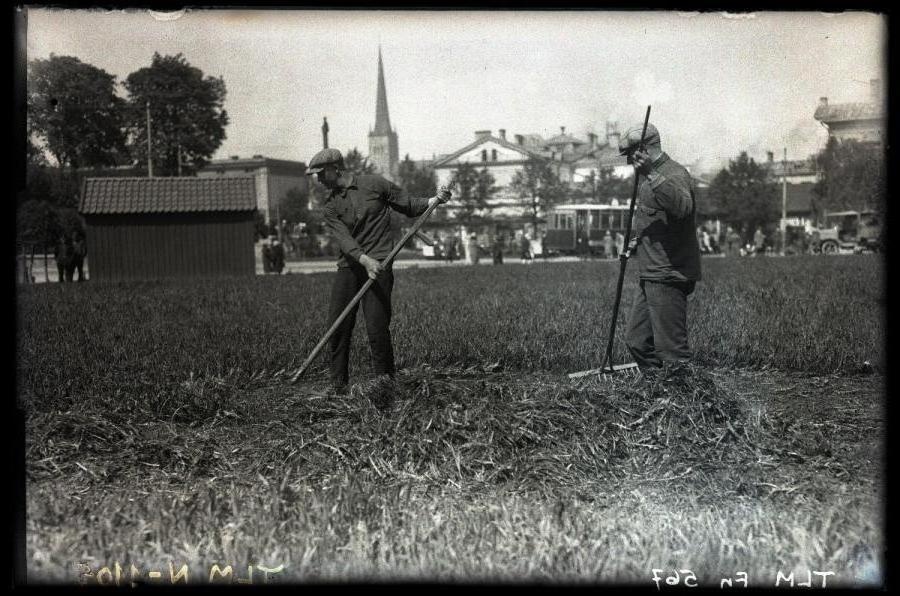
point(359, 216)
point(664, 224)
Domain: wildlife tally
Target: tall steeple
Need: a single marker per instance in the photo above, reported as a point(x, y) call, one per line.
point(382, 118)
point(384, 151)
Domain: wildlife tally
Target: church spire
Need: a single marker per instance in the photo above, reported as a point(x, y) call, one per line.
point(382, 119)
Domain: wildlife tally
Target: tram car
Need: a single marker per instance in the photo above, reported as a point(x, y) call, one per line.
point(579, 228)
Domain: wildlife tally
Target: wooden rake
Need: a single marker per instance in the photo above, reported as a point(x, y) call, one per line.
point(607, 368)
point(414, 231)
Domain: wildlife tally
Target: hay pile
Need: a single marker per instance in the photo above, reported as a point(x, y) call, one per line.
point(451, 427)
point(468, 426)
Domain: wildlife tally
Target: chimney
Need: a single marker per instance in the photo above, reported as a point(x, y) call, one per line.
point(482, 134)
point(520, 140)
point(503, 133)
point(823, 102)
point(562, 130)
point(771, 156)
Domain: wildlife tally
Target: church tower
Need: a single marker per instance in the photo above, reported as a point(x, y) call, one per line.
point(384, 153)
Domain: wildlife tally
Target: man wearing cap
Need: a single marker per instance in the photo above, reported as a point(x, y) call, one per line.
point(667, 249)
point(358, 213)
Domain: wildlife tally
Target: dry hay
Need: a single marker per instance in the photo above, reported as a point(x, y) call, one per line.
point(451, 427)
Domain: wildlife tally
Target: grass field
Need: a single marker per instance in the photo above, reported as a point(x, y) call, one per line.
point(161, 430)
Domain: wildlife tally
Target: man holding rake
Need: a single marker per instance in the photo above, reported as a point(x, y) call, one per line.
point(358, 213)
point(668, 253)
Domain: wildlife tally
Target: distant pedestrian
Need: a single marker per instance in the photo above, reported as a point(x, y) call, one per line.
point(607, 245)
point(450, 248)
point(497, 249)
point(620, 243)
point(759, 242)
point(266, 256)
point(277, 257)
point(704, 241)
point(525, 248)
point(79, 252)
point(62, 253)
point(732, 242)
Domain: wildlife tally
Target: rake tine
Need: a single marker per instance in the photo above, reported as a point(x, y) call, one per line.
point(630, 368)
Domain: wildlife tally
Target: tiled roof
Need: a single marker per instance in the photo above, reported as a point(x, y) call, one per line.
point(848, 111)
point(167, 195)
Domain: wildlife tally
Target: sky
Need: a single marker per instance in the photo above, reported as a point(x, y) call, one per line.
point(718, 83)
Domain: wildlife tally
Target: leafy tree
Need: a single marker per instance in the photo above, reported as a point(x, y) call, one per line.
point(187, 114)
point(419, 182)
point(745, 196)
point(611, 187)
point(539, 188)
point(851, 176)
point(74, 111)
point(294, 206)
point(355, 162)
point(471, 190)
point(37, 222)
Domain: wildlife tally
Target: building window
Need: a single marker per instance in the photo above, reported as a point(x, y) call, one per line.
point(493, 155)
point(484, 155)
point(595, 220)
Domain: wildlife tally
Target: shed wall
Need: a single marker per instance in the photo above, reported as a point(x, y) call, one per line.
point(154, 246)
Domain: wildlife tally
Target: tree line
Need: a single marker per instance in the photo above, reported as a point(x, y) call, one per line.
point(77, 116)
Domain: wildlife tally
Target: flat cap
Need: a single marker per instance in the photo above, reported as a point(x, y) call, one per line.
point(325, 157)
point(632, 138)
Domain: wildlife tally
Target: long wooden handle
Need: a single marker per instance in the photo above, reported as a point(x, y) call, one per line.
point(623, 260)
point(337, 322)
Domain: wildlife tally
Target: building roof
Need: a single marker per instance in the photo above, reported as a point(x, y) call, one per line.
point(528, 153)
point(843, 112)
point(167, 195)
point(255, 161)
point(564, 139)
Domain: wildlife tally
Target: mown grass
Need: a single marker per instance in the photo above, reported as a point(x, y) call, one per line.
point(174, 437)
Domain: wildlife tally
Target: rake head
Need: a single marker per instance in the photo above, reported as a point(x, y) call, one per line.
point(627, 369)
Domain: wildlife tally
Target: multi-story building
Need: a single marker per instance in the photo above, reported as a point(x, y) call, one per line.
point(274, 179)
point(574, 161)
point(861, 121)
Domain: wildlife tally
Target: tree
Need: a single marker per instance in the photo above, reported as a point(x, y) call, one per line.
point(746, 196)
point(539, 188)
point(419, 182)
point(471, 190)
point(851, 176)
point(294, 206)
point(611, 187)
point(187, 114)
point(74, 111)
point(355, 162)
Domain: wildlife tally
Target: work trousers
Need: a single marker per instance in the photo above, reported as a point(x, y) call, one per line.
point(657, 328)
point(376, 305)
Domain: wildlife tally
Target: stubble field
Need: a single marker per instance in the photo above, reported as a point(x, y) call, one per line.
point(161, 430)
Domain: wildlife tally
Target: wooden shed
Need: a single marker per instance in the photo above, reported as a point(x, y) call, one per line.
point(152, 228)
